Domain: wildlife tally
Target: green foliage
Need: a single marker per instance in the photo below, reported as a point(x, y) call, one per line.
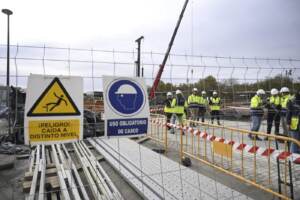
point(229, 88)
point(210, 83)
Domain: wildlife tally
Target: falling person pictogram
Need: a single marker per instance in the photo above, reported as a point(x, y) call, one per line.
point(55, 104)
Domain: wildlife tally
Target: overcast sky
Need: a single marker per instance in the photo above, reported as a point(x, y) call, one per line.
point(250, 28)
point(217, 27)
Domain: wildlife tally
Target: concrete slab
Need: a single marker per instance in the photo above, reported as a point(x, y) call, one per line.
point(168, 179)
point(218, 176)
point(248, 158)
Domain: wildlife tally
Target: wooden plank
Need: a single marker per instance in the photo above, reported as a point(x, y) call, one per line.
point(35, 176)
point(68, 164)
point(53, 181)
point(78, 167)
point(43, 175)
point(100, 157)
point(32, 159)
point(88, 176)
point(26, 186)
point(28, 176)
point(90, 146)
point(77, 176)
point(60, 173)
point(24, 156)
point(49, 172)
point(116, 194)
point(52, 165)
point(53, 196)
point(95, 167)
point(47, 156)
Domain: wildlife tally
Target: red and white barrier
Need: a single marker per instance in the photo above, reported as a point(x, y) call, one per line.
point(153, 110)
point(260, 151)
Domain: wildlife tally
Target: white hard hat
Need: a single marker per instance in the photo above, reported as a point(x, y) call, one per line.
point(203, 92)
point(274, 91)
point(195, 89)
point(215, 92)
point(178, 92)
point(260, 92)
point(169, 94)
point(284, 89)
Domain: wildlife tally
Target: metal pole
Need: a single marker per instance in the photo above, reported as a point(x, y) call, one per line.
point(7, 76)
point(8, 13)
point(138, 62)
point(181, 145)
point(166, 136)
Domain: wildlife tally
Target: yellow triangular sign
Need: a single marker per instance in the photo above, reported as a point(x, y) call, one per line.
point(54, 101)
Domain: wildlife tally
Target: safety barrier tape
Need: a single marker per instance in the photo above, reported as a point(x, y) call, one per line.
point(156, 109)
point(260, 151)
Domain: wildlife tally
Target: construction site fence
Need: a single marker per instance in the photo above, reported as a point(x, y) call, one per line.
point(238, 75)
point(235, 78)
point(267, 165)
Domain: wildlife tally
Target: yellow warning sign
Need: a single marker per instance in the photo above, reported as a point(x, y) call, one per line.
point(222, 149)
point(54, 101)
point(54, 130)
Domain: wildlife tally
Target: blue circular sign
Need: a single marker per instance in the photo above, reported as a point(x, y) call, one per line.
point(126, 97)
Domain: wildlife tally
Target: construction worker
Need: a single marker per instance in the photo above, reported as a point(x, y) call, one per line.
point(202, 105)
point(257, 112)
point(285, 97)
point(274, 107)
point(215, 106)
point(293, 117)
point(193, 105)
point(179, 106)
point(168, 110)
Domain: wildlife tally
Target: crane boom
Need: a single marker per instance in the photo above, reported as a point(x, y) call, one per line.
point(162, 65)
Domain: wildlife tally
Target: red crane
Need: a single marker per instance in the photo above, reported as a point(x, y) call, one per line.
point(162, 65)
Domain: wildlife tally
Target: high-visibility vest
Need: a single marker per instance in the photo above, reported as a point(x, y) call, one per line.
point(168, 108)
point(193, 99)
point(203, 101)
point(275, 100)
point(294, 123)
point(178, 105)
point(284, 100)
point(256, 103)
point(215, 103)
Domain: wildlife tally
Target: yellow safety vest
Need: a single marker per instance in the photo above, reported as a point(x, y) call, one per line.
point(168, 109)
point(215, 103)
point(178, 107)
point(256, 102)
point(294, 123)
point(275, 100)
point(203, 100)
point(284, 100)
point(193, 99)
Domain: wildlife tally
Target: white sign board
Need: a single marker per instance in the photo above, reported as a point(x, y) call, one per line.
point(126, 106)
point(53, 109)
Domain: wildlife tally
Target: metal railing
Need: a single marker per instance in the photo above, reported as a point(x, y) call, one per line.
point(267, 165)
